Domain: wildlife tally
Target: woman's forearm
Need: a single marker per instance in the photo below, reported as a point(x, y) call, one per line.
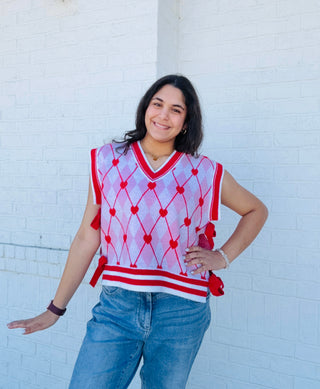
point(80, 256)
point(246, 231)
point(252, 211)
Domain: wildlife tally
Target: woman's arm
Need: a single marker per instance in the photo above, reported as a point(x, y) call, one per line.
point(82, 250)
point(253, 216)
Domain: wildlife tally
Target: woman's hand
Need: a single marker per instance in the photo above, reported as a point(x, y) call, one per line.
point(38, 323)
point(204, 259)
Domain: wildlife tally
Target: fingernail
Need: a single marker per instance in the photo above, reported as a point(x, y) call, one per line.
point(187, 249)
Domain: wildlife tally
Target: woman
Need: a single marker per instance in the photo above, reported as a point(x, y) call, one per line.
point(151, 199)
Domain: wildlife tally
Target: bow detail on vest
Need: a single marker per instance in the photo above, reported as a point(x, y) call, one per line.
point(97, 220)
point(206, 242)
point(102, 262)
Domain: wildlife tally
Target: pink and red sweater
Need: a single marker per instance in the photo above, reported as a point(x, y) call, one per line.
point(149, 218)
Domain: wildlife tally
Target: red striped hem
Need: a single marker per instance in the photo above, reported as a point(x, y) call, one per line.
point(162, 283)
point(215, 204)
point(156, 273)
point(153, 175)
point(94, 177)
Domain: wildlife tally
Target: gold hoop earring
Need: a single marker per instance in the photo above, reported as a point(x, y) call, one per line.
point(184, 131)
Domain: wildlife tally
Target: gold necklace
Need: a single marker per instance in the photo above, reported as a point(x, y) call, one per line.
point(155, 158)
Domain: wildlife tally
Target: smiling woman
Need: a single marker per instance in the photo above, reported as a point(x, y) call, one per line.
point(189, 139)
point(150, 206)
point(164, 120)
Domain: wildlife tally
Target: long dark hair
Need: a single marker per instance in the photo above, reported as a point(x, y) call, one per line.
point(190, 141)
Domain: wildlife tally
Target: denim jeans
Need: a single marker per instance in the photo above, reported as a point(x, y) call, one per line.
point(165, 330)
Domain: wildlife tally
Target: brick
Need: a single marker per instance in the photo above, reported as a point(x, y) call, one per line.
point(9, 251)
point(272, 345)
point(286, 271)
point(236, 372)
point(243, 385)
point(284, 157)
point(309, 315)
point(308, 191)
point(276, 190)
point(53, 353)
point(232, 337)
point(293, 367)
point(274, 286)
point(248, 357)
point(256, 313)
point(300, 205)
point(289, 318)
point(61, 370)
point(305, 383)
point(48, 381)
point(26, 238)
point(305, 293)
point(307, 353)
point(272, 310)
point(309, 156)
point(32, 363)
point(275, 380)
point(298, 39)
point(24, 346)
point(282, 91)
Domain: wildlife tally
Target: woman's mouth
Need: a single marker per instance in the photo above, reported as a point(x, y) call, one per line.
point(162, 126)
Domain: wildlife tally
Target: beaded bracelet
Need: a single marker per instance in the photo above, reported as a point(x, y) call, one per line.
point(225, 257)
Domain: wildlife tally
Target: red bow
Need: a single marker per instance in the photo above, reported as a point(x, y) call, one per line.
point(97, 220)
point(206, 242)
point(102, 262)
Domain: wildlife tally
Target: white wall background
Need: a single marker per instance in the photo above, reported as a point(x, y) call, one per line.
point(71, 75)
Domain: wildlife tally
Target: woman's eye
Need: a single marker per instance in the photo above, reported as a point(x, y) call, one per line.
point(176, 110)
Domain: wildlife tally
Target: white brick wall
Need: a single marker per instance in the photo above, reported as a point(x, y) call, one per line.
point(71, 75)
point(256, 66)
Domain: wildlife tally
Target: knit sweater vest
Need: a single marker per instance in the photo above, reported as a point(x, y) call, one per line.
point(149, 218)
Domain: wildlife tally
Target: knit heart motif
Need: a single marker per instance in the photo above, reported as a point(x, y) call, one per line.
point(134, 209)
point(123, 184)
point(180, 189)
point(173, 243)
point(187, 221)
point(163, 212)
point(115, 162)
point(147, 239)
point(112, 211)
point(194, 171)
point(152, 185)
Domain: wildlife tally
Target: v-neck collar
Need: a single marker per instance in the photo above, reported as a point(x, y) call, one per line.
point(146, 167)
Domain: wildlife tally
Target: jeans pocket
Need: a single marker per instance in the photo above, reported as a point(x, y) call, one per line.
point(110, 289)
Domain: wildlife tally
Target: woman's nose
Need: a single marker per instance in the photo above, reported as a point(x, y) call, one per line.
point(164, 113)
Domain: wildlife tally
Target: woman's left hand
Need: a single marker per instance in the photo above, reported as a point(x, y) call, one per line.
point(204, 259)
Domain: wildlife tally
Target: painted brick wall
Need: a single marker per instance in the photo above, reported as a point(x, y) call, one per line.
point(256, 67)
point(71, 74)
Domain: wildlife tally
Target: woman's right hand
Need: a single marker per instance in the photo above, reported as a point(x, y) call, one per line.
point(38, 323)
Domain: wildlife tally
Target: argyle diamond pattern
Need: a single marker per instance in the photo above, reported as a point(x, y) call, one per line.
point(149, 217)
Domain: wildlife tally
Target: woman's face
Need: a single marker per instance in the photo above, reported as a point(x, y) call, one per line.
point(165, 115)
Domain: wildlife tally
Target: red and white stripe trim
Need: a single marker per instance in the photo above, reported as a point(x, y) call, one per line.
point(216, 195)
point(155, 281)
point(96, 189)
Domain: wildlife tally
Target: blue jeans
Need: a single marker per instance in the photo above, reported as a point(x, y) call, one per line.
point(165, 330)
